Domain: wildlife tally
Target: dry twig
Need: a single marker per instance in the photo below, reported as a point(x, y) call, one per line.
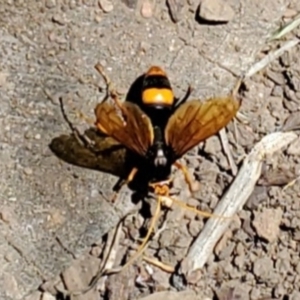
point(271, 57)
point(234, 199)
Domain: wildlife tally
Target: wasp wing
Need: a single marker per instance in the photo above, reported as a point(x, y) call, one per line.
point(195, 121)
point(128, 125)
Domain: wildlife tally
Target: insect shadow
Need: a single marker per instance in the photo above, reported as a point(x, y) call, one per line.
point(106, 155)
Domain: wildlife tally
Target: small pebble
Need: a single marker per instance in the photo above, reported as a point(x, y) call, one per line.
point(50, 3)
point(262, 268)
point(34, 296)
point(130, 3)
point(47, 296)
point(106, 5)
point(59, 19)
point(294, 148)
point(147, 9)
point(266, 223)
point(28, 171)
point(3, 77)
point(290, 13)
point(295, 295)
point(212, 145)
point(215, 11)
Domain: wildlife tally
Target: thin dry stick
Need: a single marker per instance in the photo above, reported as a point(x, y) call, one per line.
point(271, 56)
point(234, 199)
point(223, 134)
point(283, 30)
point(144, 244)
point(225, 144)
point(108, 260)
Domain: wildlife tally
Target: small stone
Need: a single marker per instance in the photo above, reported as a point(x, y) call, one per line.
point(262, 268)
point(47, 296)
point(51, 285)
point(236, 292)
point(240, 249)
point(195, 227)
point(50, 3)
point(162, 281)
point(239, 261)
point(290, 13)
point(8, 216)
point(34, 296)
point(97, 19)
point(11, 286)
point(259, 195)
point(227, 251)
point(72, 4)
point(212, 145)
point(106, 5)
point(130, 3)
point(276, 77)
point(9, 257)
point(59, 19)
point(96, 251)
point(294, 148)
point(147, 9)
point(171, 295)
point(3, 77)
point(255, 293)
point(266, 223)
point(222, 242)
point(279, 291)
point(28, 171)
point(295, 295)
point(215, 11)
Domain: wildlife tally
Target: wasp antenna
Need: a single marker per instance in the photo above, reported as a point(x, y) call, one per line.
point(185, 97)
point(110, 92)
point(101, 71)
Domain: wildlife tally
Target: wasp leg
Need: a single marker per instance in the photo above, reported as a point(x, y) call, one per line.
point(81, 138)
point(187, 176)
point(110, 91)
point(123, 182)
point(106, 79)
point(178, 102)
point(142, 247)
point(197, 211)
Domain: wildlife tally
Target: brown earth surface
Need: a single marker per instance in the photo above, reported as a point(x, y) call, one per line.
point(55, 218)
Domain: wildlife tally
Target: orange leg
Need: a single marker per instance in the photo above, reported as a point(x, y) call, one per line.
point(186, 174)
point(124, 182)
point(146, 239)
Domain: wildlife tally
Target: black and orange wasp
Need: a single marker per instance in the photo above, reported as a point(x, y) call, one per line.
point(161, 128)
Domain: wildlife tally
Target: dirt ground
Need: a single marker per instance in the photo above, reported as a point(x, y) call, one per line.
point(55, 218)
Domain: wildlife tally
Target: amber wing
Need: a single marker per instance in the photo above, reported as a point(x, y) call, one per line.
point(195, 121)
point(128, 125)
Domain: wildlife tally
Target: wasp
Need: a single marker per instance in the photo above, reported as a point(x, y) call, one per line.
point(162, 128)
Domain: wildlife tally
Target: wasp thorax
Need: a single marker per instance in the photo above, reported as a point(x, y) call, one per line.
point(160, 159)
